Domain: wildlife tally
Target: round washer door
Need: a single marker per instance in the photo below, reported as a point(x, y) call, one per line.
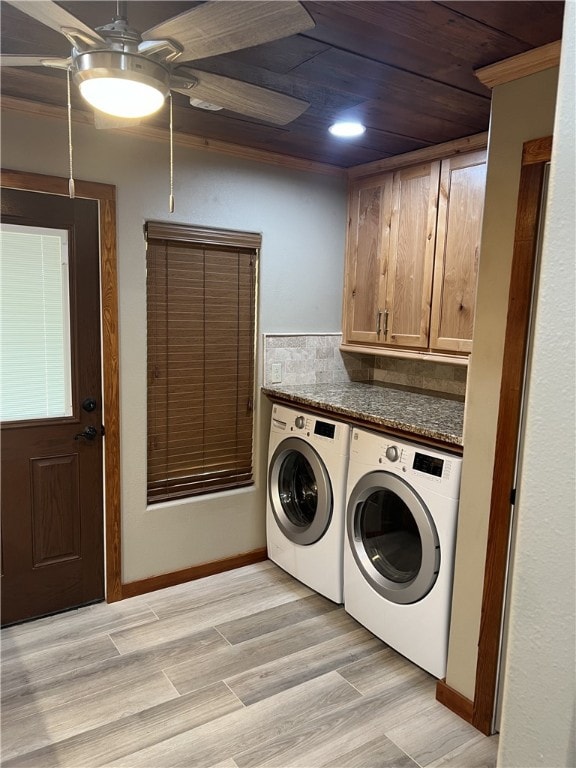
point(393, 538)
point(300, 491)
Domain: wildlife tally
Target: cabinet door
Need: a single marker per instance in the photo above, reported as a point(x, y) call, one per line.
point(411, 255)
point(462, 186)
point(368, 236)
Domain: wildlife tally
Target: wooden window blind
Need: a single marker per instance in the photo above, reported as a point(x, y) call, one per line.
point(201, 293)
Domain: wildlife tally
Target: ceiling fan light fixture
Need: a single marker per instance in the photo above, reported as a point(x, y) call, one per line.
point(347, 130)
point(121, 98)
point(121, 84)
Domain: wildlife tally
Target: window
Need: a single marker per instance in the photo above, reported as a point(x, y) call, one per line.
point(36, 379)
point(201, 291)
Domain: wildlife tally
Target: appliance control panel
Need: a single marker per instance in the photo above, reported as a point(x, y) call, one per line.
point(301, 422)
point(392, 453)
point(408, 457)
point(314, 426)
point(325, 429)
point(430, 465)
point(310, 426)
point(417, 464)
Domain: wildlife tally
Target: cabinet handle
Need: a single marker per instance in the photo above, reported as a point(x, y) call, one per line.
point(378, 322)
point(385, 323)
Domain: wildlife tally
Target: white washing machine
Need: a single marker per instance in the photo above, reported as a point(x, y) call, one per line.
point(307, 468)
point(399, 548)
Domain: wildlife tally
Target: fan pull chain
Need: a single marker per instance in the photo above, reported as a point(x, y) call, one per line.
point(171, 201)
point(71, 188)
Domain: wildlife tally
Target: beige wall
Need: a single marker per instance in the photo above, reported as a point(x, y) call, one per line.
point(521, 110)
point(302, 218)
point(539, 692)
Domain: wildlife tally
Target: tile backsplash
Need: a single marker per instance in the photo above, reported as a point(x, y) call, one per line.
point(422, 374)
point(317, 359)
point(311, 359)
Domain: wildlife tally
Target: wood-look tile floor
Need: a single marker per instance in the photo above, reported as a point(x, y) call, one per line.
point(243, 669)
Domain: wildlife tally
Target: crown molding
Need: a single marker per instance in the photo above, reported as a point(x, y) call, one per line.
point(427, 154)
point(142, 131)
point(522, 65)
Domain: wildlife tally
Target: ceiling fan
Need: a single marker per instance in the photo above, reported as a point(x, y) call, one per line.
point(127, 74)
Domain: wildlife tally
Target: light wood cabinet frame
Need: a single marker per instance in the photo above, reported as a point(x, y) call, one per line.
point(412, 259)
point(390, 257)
point(370, 206)
point(458, 234)
point(410, 256)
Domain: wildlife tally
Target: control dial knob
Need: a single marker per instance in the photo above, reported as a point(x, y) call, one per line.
point(392, 453)
point(299, 421)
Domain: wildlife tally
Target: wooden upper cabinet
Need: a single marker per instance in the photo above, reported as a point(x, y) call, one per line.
point(390, 260)
point(462, 186)
point(368, 236)
point(412, 256)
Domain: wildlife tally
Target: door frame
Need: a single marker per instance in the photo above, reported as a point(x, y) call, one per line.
point(480, 712)
point(535, 155)
point(105, 195)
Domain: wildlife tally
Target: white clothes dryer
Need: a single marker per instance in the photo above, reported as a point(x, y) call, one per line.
point(400, 539)
point(307, 469)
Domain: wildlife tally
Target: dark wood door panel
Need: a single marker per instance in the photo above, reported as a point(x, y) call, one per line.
point(55, 511)
point(51, 485)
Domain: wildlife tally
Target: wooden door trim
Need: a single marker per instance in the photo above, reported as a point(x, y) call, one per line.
point(105, 195)
point(455, 701)
point(508, 425)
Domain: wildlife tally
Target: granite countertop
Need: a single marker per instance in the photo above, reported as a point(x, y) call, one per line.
point(415, 413)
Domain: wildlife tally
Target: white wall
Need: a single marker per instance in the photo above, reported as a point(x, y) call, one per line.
point(302, 218)
point(539, 693)
point(521, 110)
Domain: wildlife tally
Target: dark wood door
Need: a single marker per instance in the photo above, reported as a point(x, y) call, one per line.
point(51, 479)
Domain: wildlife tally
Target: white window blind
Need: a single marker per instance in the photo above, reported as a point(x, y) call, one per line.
point(35, 364)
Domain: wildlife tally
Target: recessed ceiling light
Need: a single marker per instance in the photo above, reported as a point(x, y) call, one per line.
point(347, 130)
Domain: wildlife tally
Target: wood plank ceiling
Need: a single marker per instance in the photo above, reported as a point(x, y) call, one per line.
point(405, 69)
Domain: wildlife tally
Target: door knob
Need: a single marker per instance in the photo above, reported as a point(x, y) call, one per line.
point(89, 404)
point(89, 433)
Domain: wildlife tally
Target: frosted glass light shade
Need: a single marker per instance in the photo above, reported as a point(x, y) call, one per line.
point(121, 84)
point(121, 97)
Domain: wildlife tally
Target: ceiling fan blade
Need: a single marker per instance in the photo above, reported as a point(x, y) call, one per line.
point(220, 27)
point(241, 97)
point(55, 17)
point(8, 60)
